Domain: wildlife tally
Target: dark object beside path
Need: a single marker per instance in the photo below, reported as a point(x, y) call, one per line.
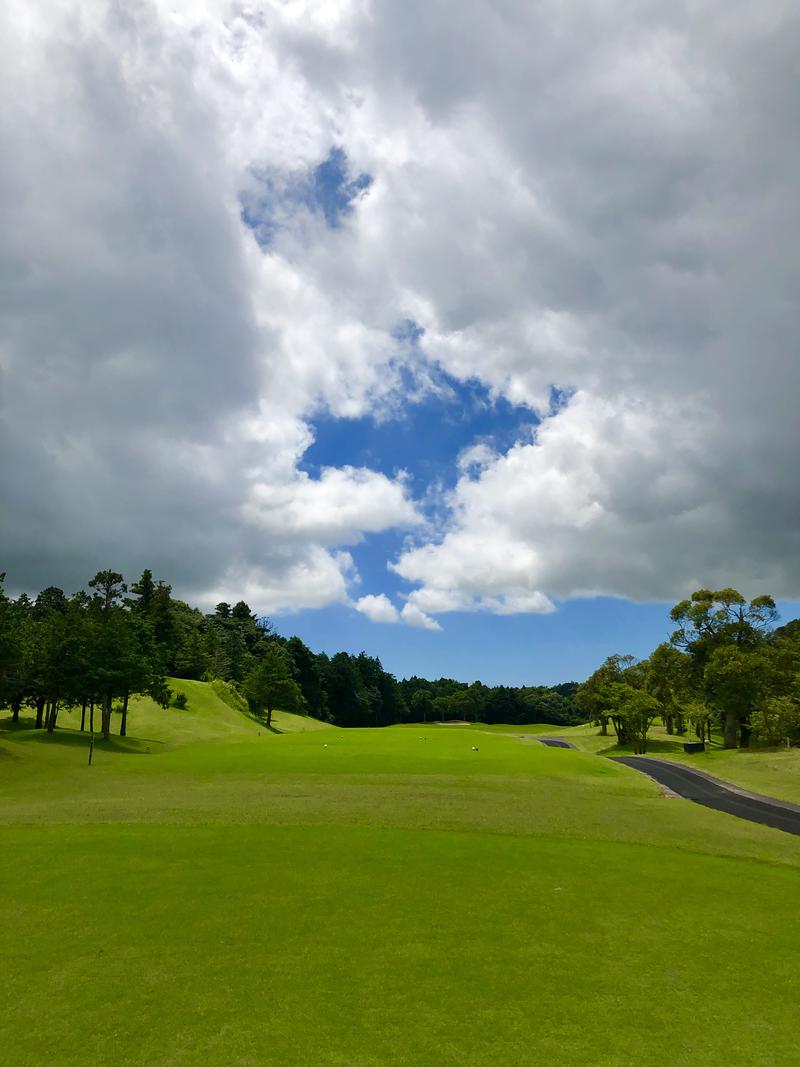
point(553, 742)
point(711, 792)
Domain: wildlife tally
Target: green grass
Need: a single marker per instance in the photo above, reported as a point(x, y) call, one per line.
point(206, 893)
point(772, 771)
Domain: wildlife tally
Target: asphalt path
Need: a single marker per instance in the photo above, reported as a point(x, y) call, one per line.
point(711, 792)
point(553, 742)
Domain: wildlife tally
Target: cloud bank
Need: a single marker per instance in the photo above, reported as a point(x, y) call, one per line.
point(215, 217)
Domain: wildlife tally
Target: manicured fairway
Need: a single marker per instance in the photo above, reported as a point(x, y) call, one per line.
point(370, 897)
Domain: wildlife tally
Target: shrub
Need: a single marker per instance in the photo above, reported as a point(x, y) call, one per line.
point(181, 701)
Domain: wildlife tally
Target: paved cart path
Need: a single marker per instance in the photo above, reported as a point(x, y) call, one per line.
point(553, 742)
point(703, 789)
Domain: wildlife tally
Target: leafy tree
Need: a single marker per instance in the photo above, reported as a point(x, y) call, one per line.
point(776, 720)
point(270, 685)
point(636, 709)
point(308, 674)
point(721, 632)
point(50, 600)
point(110, 588)
point(708, 619)
point(348, 700)
point(598, 696)
point(734, 678)
point(421, 705)
point(144, 590)
point(668, 679)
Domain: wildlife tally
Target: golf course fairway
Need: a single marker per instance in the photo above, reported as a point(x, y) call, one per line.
point(208, 892)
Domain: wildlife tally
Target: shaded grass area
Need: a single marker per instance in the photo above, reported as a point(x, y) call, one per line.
point(380, 897)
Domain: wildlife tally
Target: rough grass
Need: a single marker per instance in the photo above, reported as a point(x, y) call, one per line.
point(370, 897)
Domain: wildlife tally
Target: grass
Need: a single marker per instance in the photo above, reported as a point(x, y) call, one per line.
point(772, 771)
point(208, 894)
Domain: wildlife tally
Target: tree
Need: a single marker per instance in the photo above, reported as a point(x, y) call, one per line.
point(421, 705)
point(722, 632)
point(709, 619)
point(110, 588)
point(668, 679)
point(48, 601)
point(241, 610)
point(598, 697)
point(637, 709)
point(348, 700)
point(776, 720)
point(734, 678)
point(270, 685)
point(144, 589)
point(308, 675)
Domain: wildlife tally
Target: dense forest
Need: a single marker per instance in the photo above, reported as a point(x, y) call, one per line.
point(96, 648)
point(726, 665)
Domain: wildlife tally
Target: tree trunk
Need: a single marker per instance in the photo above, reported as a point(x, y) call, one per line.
point(708, 728)
point(669, 724)
point(15, 706)
point(39, 712)
point(269, 718)
point(83, 714)
point(52, 711)
point(730, 731)
point(604, 726)
point(744, 734)
point(91, 717)
point(123, 726)
point(680, 725)
point(107, 716)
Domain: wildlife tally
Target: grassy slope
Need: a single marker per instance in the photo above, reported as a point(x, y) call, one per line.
point(370, 897)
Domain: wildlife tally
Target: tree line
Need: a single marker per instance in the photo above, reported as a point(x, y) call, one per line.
point(95, 649)
point(726, 666)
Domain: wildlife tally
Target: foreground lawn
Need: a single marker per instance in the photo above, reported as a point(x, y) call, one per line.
point(379, 897)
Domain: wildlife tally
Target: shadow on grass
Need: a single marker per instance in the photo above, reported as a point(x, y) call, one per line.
point(129, 746)
point(655, 746)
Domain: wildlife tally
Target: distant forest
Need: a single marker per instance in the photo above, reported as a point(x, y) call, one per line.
point(96, 648)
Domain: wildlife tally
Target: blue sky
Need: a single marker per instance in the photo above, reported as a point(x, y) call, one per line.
point(507, 650)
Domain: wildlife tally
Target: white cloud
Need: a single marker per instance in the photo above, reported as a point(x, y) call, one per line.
point(413, 616)
point(336, 508)
point(377, 608)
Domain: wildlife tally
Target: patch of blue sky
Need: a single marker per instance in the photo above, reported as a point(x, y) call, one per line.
point(495, 649)
point(328, 189)
point(424, 437)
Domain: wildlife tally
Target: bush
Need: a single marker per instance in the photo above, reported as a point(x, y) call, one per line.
point(777, 721)
point(181, 701)
point(229, 694)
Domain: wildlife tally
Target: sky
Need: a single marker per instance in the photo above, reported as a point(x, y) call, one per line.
point(461, 333)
